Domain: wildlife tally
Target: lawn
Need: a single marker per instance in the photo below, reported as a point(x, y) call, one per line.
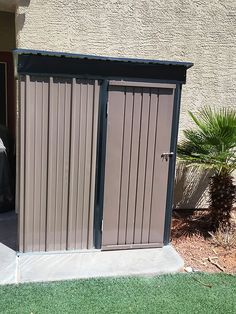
point(182, 293)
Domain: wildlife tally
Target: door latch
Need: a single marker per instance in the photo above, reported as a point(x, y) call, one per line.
point(166, 156)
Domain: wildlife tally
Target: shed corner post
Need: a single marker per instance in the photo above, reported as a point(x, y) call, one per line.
point(172, 165)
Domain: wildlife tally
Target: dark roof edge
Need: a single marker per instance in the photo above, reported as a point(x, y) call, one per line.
point(187, 65)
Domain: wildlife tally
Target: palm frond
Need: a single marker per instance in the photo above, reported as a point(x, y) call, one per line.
point(213, 141)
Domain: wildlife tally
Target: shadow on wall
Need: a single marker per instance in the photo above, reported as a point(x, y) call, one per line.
point(20, 18)
point(191, 187)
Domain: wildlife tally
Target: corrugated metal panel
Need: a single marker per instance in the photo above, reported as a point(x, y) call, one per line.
point(58, 163)
point(83, 155)
point(34, 110)
point(138, 132)
point(58, 157)
point(21, 163)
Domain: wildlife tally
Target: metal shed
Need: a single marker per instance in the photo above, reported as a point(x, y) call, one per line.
point(97, 145)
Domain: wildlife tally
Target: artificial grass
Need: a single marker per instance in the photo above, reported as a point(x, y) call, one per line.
point(182, 293)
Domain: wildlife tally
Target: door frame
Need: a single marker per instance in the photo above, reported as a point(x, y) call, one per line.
point(100, 164)
point(172, 165)
point(101, 156)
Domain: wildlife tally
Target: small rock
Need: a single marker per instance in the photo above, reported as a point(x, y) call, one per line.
point(188, 269)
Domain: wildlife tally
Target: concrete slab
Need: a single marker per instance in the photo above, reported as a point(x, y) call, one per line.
point(38, 267)
point(8, 265)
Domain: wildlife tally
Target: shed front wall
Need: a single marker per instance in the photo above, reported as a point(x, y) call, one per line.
point(58, 138)
point(199, 31)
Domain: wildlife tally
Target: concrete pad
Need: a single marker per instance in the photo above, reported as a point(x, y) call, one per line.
point(8, 265)
point(38, 267)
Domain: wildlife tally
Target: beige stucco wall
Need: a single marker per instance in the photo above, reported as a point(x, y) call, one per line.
point(7, 31)
point(200, 31)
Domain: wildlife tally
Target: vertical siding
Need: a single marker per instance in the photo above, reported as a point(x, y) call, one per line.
point(22, 86)
point(138, 132)
point(58, 163)
point(58, 138)
point(34, 109)
point(83, 163)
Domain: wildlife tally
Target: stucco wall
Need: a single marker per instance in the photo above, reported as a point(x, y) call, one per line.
point(199, 31)
point(7, 31)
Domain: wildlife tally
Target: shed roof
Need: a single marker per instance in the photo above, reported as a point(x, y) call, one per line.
point(61, 63)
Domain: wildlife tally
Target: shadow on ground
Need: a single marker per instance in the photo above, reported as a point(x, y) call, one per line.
point(8, 229)
point(187, 223)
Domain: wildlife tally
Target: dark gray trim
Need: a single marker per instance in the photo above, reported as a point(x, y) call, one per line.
point(172, 163)
point(100, 164)
point(36, 62)
point(100, 58)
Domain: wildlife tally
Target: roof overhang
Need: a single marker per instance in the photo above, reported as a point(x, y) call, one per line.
point(70, 64)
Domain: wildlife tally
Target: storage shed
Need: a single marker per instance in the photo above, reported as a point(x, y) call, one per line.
point(97, 149)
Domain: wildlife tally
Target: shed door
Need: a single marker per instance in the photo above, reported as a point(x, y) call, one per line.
point(139, 124)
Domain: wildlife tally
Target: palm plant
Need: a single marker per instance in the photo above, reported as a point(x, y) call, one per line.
point(212, 145)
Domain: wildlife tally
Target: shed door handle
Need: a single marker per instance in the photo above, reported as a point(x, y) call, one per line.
point(166, 156)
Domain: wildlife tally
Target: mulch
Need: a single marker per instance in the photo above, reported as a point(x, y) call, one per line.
point(191, 239)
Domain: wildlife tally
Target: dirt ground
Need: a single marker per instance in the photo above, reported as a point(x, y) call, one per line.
point(191, 239)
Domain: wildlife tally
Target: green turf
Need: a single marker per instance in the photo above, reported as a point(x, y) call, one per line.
point(182, 293)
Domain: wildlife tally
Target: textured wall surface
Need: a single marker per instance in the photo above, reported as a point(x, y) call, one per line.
point(203, 32)
point(7, 31)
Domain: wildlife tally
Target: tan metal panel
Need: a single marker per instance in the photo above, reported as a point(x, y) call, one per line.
point(29, 163)
point(113, 166)
point(57, 162)
point(74, 160)
point(38, 88)
point(85, 98)
point(58, 146)
point(87, 166)
point(22, 87)
point(33, 163)
point(37, 143)
point(151, 144)
point(93, 163)
point(43, 163)
point(81, 173)
point(134, 159)
point(142, 166)
point(73, 167)
point(164, 124)
point(52, 165)
point(124, 192)
point(66, 164)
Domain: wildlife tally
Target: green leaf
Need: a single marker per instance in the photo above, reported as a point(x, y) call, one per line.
point(212, 143)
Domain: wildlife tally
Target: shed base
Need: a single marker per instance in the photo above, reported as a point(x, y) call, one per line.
point(39, 267)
